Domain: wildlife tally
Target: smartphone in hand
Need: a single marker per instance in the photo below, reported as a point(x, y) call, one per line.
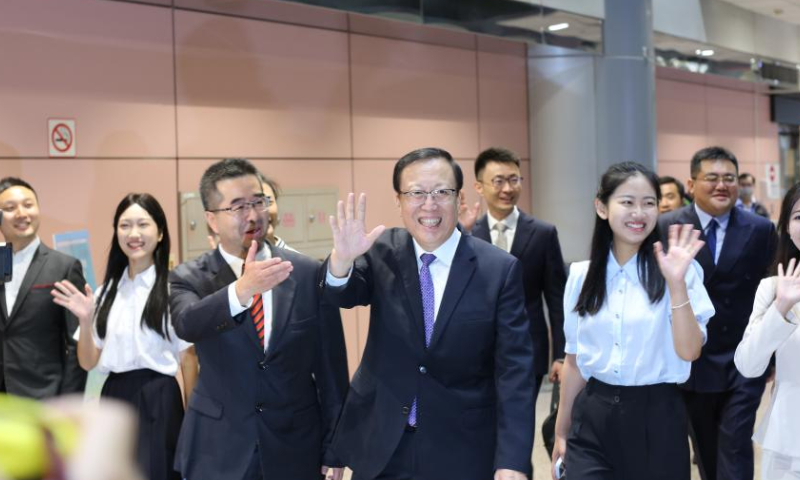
point(560, 468)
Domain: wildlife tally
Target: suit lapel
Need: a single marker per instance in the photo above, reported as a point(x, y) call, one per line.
point(736, 237)
point(223, 276)
point(3, 309)
point(481, 229)
point(523, 235)
point(282, 298)
point(406, 262)
point(704, 255)
point(461, 272)
point(38, 262)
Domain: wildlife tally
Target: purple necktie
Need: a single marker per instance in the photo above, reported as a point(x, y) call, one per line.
point(428, 307)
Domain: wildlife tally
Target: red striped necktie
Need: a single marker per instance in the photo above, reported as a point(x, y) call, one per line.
point(257, 314)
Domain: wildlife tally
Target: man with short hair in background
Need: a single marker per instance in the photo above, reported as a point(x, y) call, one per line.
point(672, 194)
point(747, 199)
point(38, 356)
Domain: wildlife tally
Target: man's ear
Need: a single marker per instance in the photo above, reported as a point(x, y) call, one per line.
point(690, 187)
point(211, 220)
point(601, 209)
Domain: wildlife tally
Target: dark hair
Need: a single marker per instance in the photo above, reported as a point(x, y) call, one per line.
point(276, 189)
point(666, 180)
point(222, 170)
point(426, 154)
point(593, 292)
point(154, 315)
point(786, 248)
point(745, 175)
point(712, 153)
point(494, 154)
point(9, 182)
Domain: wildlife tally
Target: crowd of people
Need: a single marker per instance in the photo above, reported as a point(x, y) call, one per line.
point(235, 361)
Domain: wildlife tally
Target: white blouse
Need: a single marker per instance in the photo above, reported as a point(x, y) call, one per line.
point(128, 345)
point(767, 334)
point(629, 341)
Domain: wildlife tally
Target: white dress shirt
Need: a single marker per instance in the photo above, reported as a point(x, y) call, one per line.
point(129, 345)
point(722, 227)
point(769, 333)
point(511, 223)
point(440, 268)
point(236, 308)
point(19, 267)
point(629, 341)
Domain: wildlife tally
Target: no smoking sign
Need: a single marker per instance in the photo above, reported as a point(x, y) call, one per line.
point(61, 137)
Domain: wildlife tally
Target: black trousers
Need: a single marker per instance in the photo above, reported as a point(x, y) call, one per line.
point(721, 430)
point(628, 433)
point(157, 400)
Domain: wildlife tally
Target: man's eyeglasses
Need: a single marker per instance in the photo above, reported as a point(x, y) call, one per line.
point(418, 197)
point(514, 181)
point(728, 179)
point(260, 205)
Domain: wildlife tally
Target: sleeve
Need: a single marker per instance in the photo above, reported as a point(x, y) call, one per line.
point(98, 342)
point(572, 291)
point(765, 333)
point(554, 282)
point(332, 281)
point(356, 290)
point(233, 301)
point(698, 297)
point(195, 318)
point(178, 344)
point(73, 378)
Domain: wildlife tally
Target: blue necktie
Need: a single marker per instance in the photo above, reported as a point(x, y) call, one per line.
point(711, 239)
point(428, 307)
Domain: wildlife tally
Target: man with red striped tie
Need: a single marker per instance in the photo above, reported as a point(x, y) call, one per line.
point(273, 368)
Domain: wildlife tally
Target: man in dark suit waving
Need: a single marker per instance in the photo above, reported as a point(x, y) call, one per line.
point(38, 356)
point(534, 243)
point(273, 370)
point(445, 386)
point(739, 248)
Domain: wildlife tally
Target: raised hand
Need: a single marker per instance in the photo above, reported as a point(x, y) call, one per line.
point(684, 243)
point(260, 276)
point(788, 287)
point(350, 237)
point(81, 305)
point(467, 216)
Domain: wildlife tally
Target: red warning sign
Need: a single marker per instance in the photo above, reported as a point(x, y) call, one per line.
point(61, 137)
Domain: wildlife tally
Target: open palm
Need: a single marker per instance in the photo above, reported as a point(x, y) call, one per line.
point(68, 296)
point(788, 285)
point(684, 243)
point(350, 237)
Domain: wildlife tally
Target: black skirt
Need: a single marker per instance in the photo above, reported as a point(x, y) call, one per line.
point(158, 402)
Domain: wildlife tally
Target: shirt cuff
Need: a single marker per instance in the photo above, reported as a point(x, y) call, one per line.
point(233, 301)
point(332, 281)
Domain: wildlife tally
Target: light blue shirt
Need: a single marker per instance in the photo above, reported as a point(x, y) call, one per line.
point(722, 227)
point(629, 341)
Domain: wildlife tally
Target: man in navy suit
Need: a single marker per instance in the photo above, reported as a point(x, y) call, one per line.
point(445, 386)
point(739, 248)
point(273, 370)
point(534, 243)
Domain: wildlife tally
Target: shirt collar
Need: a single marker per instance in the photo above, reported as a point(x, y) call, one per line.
point(147, 277)
point(510, 220)
point(705, 218)
point(446, 251)
point(236, 263)
point(630, 269)
point(28, 251)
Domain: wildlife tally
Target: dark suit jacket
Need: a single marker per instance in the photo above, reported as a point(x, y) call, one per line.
point(286, 401)
point(539, 252)
point(747, 252)
point(38, 356)
point(474, 383)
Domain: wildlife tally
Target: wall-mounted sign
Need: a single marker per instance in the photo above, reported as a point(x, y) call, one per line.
point(61, 137)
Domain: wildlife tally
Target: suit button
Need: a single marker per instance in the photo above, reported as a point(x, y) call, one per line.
point(724, 328)
point(262, 365)
point(259, 407)
point(422, 369)
point(616, 398)
point(406, 410)
point(727, 302)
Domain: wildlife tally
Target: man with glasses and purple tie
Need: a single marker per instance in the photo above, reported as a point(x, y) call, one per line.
point(445, 386)
point(739, 248)
point(273, 368)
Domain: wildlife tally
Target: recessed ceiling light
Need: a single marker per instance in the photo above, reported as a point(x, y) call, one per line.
point(558, 26)
point(704, 53)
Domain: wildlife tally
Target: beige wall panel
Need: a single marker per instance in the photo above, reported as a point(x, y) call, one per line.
point(350, 324)
point(83, 194)
point(503, 98)
point(374, 177)
point(409, 95)
point(731, 121)
point(384, 27)
point(275, 10)
point(108, 65)
point(260, 89)
point(680, 118)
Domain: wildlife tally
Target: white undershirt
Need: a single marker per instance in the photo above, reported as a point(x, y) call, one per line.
point(511, 223)
point(236, 308)
point(19, 268)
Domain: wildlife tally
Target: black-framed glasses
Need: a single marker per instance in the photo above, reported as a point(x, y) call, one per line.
point(514, 181)
point(260, 205)
point(440, 195)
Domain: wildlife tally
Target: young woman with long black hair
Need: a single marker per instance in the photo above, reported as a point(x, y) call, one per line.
point(128, 334)
point(634, 319)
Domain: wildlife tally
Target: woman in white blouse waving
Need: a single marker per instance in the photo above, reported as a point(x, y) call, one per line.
point(773, 330)
point(128, 334)
point(634, 318)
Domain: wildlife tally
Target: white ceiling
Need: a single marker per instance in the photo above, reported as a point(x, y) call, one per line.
point(785, 10)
